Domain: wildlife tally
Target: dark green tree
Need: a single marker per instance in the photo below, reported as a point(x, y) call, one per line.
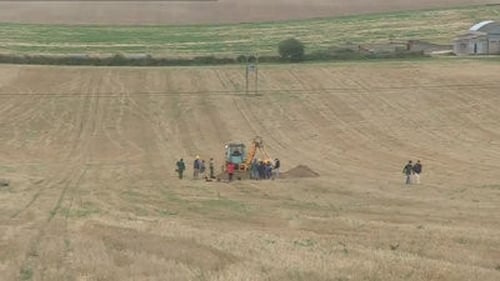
point(291, 49)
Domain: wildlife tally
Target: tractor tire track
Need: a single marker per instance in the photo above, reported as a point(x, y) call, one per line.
point(286, 129)
point(214, 126)
point(329, 117)
point(249, 116)
point(127, 107)
point(79, 155)
point(181, 110)
point(228, 83)
point(50, 183)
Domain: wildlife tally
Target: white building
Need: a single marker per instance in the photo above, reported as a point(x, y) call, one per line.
point(481, 39)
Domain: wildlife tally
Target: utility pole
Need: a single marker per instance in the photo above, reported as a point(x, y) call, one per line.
point(246, 75)
point(251, 63)
point(251, 67)
point(256, 75)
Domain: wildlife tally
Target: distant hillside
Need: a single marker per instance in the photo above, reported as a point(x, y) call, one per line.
point(435, 26)
point(203, 11)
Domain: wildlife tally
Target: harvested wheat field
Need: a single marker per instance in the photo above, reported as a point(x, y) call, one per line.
point(89, 155)
point(139, 12)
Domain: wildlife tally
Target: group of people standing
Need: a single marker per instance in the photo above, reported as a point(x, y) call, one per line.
point(259, 169)
point(412, 172)
point(199, 168)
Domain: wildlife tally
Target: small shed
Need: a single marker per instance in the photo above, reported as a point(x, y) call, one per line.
point(481, 39)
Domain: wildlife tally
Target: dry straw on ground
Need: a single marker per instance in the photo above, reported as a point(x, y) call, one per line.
point(92, 152)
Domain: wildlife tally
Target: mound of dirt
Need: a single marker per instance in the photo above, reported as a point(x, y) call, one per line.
point(4, 182)
point(301, 171)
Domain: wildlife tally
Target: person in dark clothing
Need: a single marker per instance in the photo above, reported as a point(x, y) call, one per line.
point(408, 171)
point(269, 170)
point(417, 170)
point(254, 170)
point(277, 165)
point(202, 168)
point(180, 167)
point(261, 168)
point(196, 167)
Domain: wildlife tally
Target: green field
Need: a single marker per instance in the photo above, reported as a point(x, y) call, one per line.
point(437, 26)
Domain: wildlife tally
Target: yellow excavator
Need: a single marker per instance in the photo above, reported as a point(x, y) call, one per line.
point(242, 157)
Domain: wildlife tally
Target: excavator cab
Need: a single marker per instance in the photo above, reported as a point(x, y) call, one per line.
point(241, 156)
point(236, 153)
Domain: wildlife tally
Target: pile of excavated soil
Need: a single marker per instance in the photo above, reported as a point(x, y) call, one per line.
point(4, 182)
point(301, 171)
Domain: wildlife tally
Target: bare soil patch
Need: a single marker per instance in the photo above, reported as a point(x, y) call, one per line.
point(301, 171)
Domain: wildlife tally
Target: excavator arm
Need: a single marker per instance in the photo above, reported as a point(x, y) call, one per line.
point(257, 144)
point(251, 154)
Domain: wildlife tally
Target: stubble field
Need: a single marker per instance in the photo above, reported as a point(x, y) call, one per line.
point(90, 156)
point(201, 12)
